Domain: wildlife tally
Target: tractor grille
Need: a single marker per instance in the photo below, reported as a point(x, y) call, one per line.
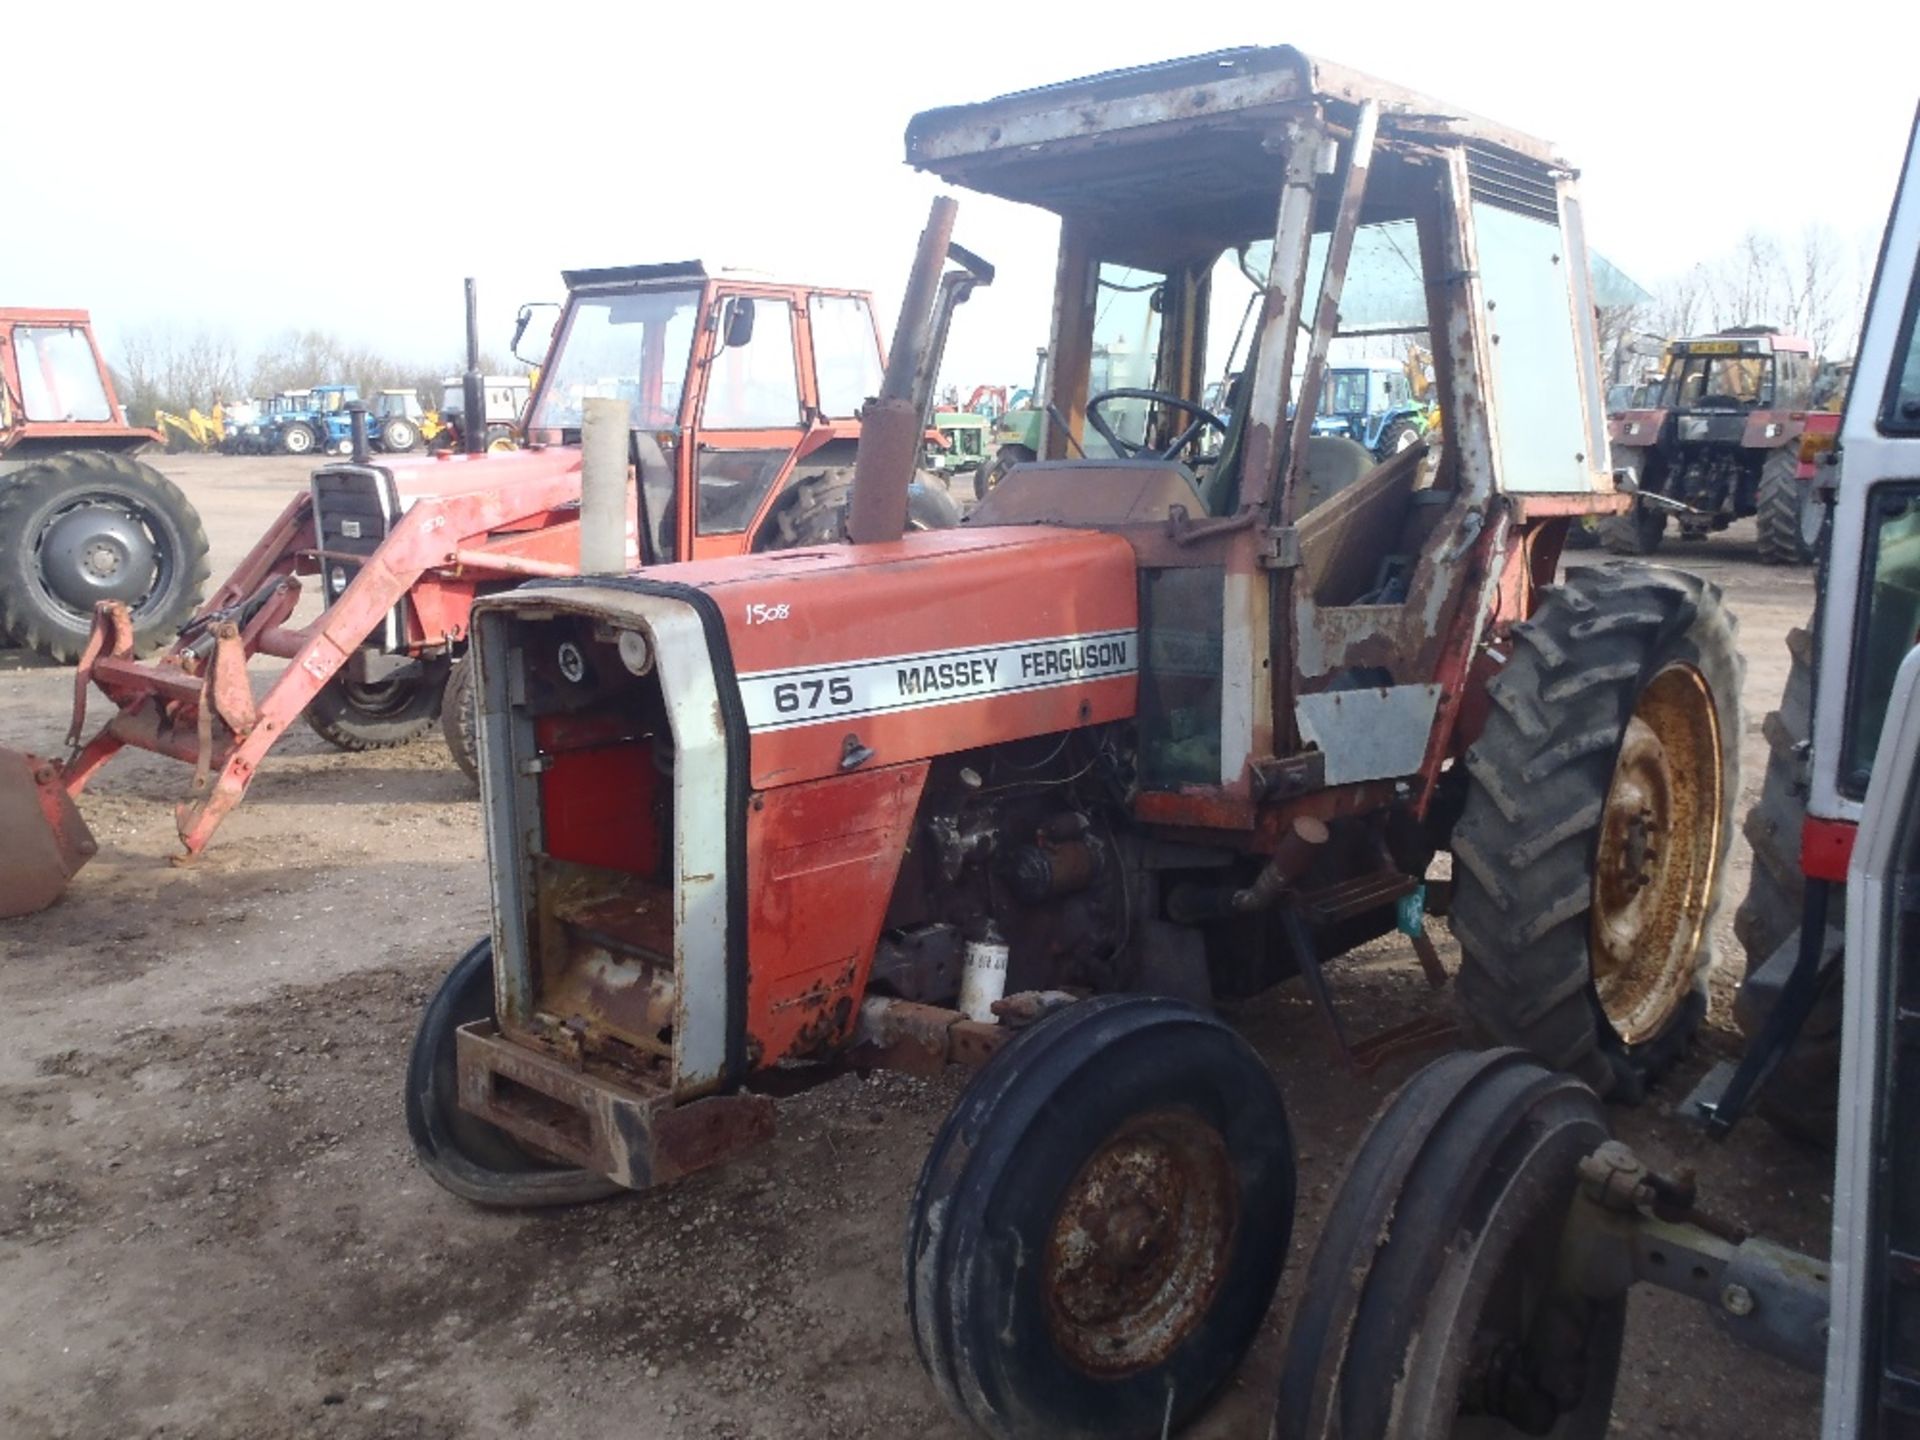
point(353, 511)
point(1508, 183)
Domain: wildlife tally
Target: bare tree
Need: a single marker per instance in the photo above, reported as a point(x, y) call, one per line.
point(164, 369)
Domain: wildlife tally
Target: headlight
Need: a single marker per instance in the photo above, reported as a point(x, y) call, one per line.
point(337, 580)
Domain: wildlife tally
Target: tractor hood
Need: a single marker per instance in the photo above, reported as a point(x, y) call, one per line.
point(860, 657)
point(457, 473)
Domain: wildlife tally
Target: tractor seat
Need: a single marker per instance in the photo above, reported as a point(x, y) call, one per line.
point(1333, 463)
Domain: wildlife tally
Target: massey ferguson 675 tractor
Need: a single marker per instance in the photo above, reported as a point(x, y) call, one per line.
point(1144, 733)
point(744, 399)
point(1721, 442)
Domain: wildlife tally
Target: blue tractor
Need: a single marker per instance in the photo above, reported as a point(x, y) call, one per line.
point(1371, 401)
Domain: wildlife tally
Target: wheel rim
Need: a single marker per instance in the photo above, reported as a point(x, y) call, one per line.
point(298, 442)
point(1659, 846)
point(100, 547)
point(1141, 1242)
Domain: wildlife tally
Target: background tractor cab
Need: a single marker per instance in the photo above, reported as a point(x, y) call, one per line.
point(1186, 708)
point(1718, 441)
point(1372, 402)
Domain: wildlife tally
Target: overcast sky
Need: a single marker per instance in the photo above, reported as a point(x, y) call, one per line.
point(277, 170)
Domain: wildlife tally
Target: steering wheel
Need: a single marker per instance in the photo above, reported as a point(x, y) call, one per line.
point(1127, 449)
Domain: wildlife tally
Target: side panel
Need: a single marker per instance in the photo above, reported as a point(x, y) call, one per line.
point(821, 863)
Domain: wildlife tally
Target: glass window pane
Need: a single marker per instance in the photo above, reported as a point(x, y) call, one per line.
point(632, 347)
point(1890, 607)
point(846, 354)
point(1180, 686)
point(58, 378)
point(1901, 411)
point(1126, 350)
point(752, 386)
point(731, 485)
point(1536, 364)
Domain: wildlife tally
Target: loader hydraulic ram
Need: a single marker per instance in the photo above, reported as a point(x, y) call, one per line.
point(1186, 708)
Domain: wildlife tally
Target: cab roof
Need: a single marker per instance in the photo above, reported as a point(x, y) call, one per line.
point(1102, 145)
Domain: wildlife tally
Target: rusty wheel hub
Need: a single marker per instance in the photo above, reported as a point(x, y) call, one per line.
point(1659, 845)
point(1141, 1242)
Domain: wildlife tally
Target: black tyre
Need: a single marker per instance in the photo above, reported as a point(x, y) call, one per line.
point(1589, 857)
point(1783, 507)
point(1638, 532)
point(1801, 1098)
point(298, 439)
point(83, 527)
point(356, 716)
point(459, 724)
point(500, 438)
point(1433, 1306)
point(814, 510)
point(464, 1154)
point(1004, 459)
point(1099, 1227)
point(398, 435)
point(1583, 534)
point(1400, 435)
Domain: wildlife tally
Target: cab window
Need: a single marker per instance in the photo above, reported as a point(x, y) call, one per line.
point(751, 385)
point(1900, 411)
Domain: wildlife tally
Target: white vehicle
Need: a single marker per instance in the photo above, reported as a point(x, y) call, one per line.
point(507, 397)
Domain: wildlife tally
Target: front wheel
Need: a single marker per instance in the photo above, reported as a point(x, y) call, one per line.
point(1098, 1230)
point(378, 715)
point(463, 1153)
point(1004, 459)
point(459, 722)
point(1401, 435)
point(1436, 1305)
point(1589, 856)
point(298, 439)
point(398, 435)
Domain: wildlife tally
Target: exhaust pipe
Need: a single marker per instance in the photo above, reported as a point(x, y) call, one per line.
point(891, 430)
point(473, 385)
point(604, 442)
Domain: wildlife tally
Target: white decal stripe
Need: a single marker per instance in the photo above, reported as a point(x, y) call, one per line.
point(818, 694)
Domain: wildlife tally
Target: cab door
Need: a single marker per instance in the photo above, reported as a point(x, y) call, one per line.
point(750, 417)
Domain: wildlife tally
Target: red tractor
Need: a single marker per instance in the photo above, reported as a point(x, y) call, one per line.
point(1177, 715)
point(1720, 442)
point(743, 398)
point(82, 519)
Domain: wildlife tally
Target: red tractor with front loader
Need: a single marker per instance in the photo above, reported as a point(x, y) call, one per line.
point(82, 518)
point(1152, 729)
point(743, 398)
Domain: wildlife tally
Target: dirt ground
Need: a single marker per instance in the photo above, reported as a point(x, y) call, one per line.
point(211, 1224)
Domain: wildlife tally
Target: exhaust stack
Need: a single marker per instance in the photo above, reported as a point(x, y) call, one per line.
point(473, 385)
point(891, 429)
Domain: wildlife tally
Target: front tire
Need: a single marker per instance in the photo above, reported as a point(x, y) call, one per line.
point(1400, 435)
point(1099, 1227)
point(354, 716)
point(1780, 503)
point(298, 439)
point(459, 724)
point(1004, 459)
point(88, 526)
point(463, 1153)
point(398, 436)
point(1589, 857)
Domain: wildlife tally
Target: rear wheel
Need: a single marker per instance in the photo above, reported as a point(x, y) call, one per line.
point(814, 510)
point(398, 435)
point(463, 1153)
point(500, 439)
point(1801, 1098)
point(360, 715)
point(298, 439)
point(1004, 459)
point(84, 527)
point(1098, 1230)
point(1434, 1308)
point(1782, 503)
point(1590, 853)
point(1400, 435)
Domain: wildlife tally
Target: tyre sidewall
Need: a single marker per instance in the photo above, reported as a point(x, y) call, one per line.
point(1017, 1185)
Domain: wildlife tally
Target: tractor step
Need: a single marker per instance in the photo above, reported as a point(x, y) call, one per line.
point(637, 1136)
point(1358, 896)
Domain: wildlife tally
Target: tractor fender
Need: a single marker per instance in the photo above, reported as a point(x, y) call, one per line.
point(1771, 429)
point(1637, 427)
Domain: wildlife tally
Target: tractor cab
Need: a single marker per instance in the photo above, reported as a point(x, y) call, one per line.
point(1194, 246)
point(737, 391)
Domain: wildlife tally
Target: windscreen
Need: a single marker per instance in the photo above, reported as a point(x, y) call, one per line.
point(59, 380)
point(632, 347)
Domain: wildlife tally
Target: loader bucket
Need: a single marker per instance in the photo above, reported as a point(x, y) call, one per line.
point(43, 840)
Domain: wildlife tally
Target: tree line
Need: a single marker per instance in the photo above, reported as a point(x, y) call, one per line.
point(177, 370)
